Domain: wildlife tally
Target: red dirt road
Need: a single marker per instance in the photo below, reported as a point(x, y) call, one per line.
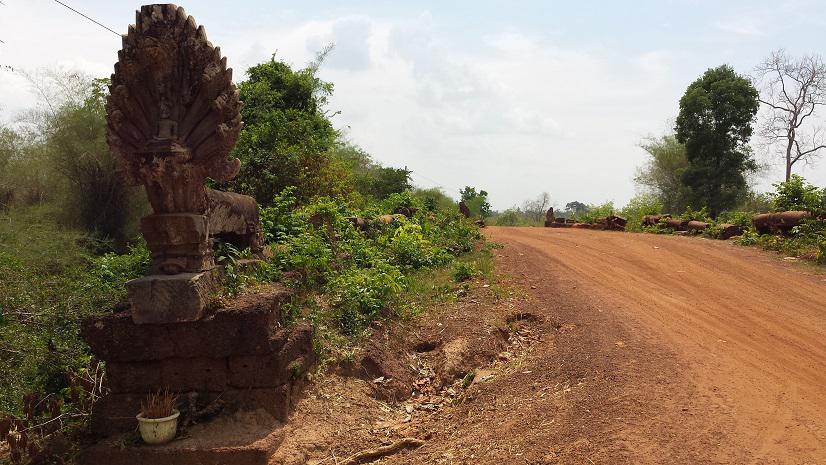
point(621, 349)
point(722, 347)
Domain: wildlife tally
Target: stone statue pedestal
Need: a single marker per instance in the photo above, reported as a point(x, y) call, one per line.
point(183, 297)
point(243, 353)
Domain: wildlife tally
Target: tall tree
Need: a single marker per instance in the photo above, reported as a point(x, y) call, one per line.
point(662, 174)
point(793, 89)
point(715, 124)
point(287, 133)
point(369, 178)
point(59, 153)
point(576, 208)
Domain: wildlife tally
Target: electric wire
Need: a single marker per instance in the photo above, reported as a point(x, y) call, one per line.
point(89, 18)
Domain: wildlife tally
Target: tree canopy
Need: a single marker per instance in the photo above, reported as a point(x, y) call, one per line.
point(477, 202)
point(368, 178)
point(793, 91)
point(715, 124)
point(662, 174)
point(287, 134)
point(575, 208)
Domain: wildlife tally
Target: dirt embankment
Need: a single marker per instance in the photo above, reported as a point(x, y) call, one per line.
point(619, 348)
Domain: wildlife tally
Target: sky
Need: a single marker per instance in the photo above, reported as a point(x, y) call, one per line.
point(513, 97)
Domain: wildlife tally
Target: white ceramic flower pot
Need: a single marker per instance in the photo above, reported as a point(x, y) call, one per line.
point(158, 430)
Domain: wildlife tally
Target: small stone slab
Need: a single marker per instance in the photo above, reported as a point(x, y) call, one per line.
point(249, 438)
point(158, 299)
point(114, 414)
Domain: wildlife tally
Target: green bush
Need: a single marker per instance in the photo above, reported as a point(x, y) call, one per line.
point(509, 217)
point(409, 248)
point(695, 215)
point(798, 194)
point(401, 200)
point(821, 250)
point(595, 212)
point(362, 270)
point(278, 223)
point(638, 207)
point(434, 199)
point(50, 284)
point(360, 294)
point(462, 271)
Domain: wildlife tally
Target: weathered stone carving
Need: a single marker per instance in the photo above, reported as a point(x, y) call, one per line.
point(173, 119)
point(174, 116)
point(550, 219)
point(234, 218)
point(463, 209)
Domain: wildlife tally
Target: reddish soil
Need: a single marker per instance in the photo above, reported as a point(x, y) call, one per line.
point(615, 348)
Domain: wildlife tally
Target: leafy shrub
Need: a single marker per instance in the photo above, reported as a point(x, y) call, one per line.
point(748, 238)
point(638, 207)
point(452, 232)
point(462, 271)
point(115, 269)
point(434, 199)
point(360, 294)
point(401, 200)
point(596, 212)
point(409, 248)
point(820, 257)
point(278, 222)
point(696, 215)
point(509, 217)
point(798, 194)
point(310, 254)
point(361, 270)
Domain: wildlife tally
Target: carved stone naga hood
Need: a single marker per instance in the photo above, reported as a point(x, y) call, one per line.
point(173, 111)
point(174, 115)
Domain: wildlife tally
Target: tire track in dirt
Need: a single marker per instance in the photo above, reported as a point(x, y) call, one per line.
point(599, 388)
point(645, 349)
point(748, 330)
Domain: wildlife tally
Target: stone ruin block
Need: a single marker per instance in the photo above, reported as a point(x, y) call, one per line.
point(243, 353)
point(550, 219)
point(164, 298)
point(251, 325)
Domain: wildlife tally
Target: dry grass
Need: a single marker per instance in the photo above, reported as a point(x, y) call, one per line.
point(159, 405)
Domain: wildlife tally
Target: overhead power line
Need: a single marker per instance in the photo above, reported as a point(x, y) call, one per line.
point(418, 174)
point(87, 17)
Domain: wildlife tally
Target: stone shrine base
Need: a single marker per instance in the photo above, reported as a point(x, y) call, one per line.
point(248, 438)
point(245, 355)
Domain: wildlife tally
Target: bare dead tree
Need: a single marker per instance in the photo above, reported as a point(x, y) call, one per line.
point(792, 89)
point(535, 209)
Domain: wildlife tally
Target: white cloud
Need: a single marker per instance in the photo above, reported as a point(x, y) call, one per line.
point(654, 64)
point(744, 26)
point(513, 113)
point(350, 36)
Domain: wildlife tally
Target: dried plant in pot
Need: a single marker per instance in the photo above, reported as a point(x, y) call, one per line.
point(158, 419)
